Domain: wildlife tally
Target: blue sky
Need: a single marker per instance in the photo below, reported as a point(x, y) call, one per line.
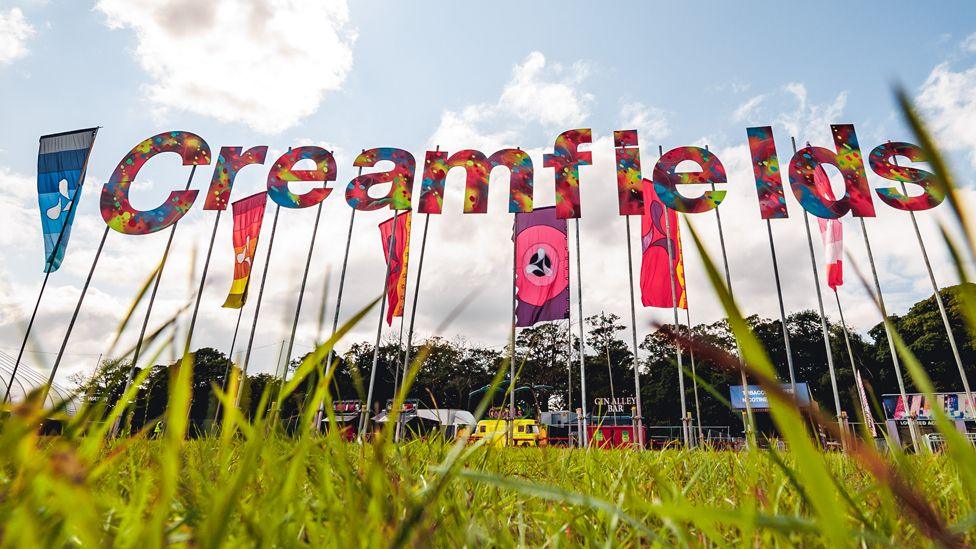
point(476, 75)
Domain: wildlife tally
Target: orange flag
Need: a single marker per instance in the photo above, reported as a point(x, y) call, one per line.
point(396, 282)
point(248, 215)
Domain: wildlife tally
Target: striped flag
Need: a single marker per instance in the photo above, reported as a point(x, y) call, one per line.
point(248, 216)
point(832, 233)
point(61, 162)
point(396, 283)
point(656, 280)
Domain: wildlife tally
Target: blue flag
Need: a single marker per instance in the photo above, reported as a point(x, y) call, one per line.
point(61, 163)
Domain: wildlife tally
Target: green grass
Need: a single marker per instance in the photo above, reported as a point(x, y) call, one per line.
point(331, 493)
point(247, 483)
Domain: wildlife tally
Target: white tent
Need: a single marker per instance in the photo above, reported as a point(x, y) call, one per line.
point(444, 416)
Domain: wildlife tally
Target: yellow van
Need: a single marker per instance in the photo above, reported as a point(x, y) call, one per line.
point(526, 432)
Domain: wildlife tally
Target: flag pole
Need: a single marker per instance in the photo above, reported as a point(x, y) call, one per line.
point(301, 296)
point(582, 341)
point(416, 292)
point(230, 358)
point(823, 316)
point(413, 314)
point(152, 299)
point(363, 419)
point(203, 281)
point(748, 420)
point(74, 314)
point(694, 380)
point(338, 307)
point(782, 309)
point(639, 426)
point(847, 337)
point(511, 363)
point(891, 343)
point(674, 307)
point(50, 261)
point(569, 364)
point(416, 296)
point(938, 300)
point(257, 310)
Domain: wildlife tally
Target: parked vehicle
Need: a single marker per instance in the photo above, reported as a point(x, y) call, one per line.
point(525, 432)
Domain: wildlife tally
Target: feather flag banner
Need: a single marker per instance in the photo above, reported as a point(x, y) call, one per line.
point(832, 234)
point(541, 267)
point(396, 282)
point(655, 276)
point(61, 162)
point(248, 216)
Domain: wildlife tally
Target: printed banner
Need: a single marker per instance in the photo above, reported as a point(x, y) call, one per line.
point(248, 216)
point(396, 282)
point(541, 267)
point(655, 276)
point(758, 400)
point(832, 234)
point(865, 405)
point(956, 406)
point(61, 162)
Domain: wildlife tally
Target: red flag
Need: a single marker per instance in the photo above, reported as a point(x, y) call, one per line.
point(655, 274)
point(396, 282)
point(248, 215)
point(832, 234)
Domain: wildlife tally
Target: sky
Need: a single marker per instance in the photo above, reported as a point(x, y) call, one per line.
point(418, 75)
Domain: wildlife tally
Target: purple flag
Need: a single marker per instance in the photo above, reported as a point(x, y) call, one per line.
point(541, 267)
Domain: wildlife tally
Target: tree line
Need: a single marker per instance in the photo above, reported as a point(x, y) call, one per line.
point(547, 359)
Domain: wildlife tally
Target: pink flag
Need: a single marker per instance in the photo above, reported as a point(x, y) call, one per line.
point(832, 233)
point(657, 282)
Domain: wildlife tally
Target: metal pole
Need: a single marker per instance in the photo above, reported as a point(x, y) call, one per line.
point(301, 294)
point(74, 314)
point(257, 310)
point(230, 358)
point(938, 300)
point(416, 297)
point(823, 316)
point(335, 318)
point(694, 380)
point(569, 365)
point(152, 300)
point(511, 363)
point(747, 424)
point(582, 342)
point(782, 309)
point(203, 281)
point(413, 315)
point(847, 337)
point(674, 306)
point(891, 342)
point(47, 270)
point(379, 327)
point(639, 426)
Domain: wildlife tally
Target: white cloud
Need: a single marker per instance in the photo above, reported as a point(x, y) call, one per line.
point(547, 95)
point(14, 32)
point(265, 63)
point(749, 109)
point(949, 107)
point(538, 93)
point(651, 123)
point(808, 119)
point(969, 43)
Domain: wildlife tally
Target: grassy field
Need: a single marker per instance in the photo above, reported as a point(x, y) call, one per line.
point(321, 491)
point(249, 484)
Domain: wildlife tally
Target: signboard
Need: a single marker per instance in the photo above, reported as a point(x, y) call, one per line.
point(956, 406)
point(619, 405)
point(758, 399)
